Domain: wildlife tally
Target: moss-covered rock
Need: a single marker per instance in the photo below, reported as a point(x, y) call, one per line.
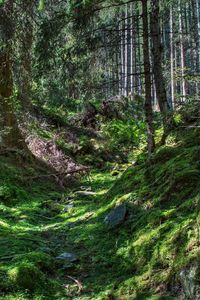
point(43, 261)
point(26, 276)
point(4, 284)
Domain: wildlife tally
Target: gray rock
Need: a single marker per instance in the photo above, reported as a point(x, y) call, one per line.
point(185, 284)
point(68, 207)
point(85, 193)
point(67, 256)
point(116, 216)
point(45, 249)
point(190, 286)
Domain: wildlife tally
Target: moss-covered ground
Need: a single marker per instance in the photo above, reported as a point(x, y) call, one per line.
point(138, 260)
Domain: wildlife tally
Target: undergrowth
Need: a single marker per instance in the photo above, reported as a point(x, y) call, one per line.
point(141, 259)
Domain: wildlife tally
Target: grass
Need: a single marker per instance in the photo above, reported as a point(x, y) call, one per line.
point(141, 259)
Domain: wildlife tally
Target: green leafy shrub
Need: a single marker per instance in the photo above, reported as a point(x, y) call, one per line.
point(190, 111)
point(120, 132)
point(9, 193)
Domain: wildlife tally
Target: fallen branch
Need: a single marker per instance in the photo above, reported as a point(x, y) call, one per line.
point(59, 174)
point(78, 283)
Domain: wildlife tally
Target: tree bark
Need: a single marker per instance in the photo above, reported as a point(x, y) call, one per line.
point(122, 58)
point(198, 44)
point(183, 81)
point(126, 53)
point(172, 58)
point(10, 135)
point(26, 42)
point(157, 55)
point(147, 75)
point(131, 50)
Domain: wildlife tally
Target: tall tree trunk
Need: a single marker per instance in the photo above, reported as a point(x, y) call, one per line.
point(172, 58)
point(26, 41)
point(131, 50)
point(198, 25)
point(117, 68)
point(157, 67)
point(148, 100)
point(122, 57)
point(126, 52)
point(183, 81)
point(198, 43)
point(139, 62)
point(11, 136)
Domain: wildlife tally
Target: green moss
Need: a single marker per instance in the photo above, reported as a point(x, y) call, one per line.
point(17, 296)
point(44, 262)
point(165, 153)
point(158, 238)
point(26, 275)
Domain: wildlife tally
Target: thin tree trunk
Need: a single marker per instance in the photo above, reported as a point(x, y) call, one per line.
point(139, 69)
point(26, 41)
point(126, 53)
point(148, 100)
point(172, 58)
point(122, 58)
point(183, 81)
point(198, 43)
point(132, 54)
point(157, 67)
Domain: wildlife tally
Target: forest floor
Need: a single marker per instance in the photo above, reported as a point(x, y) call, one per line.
point(56, 244)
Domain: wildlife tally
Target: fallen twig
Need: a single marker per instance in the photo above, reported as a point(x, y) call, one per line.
point(78, 283)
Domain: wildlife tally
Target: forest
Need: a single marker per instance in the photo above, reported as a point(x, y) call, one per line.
point(99, 149)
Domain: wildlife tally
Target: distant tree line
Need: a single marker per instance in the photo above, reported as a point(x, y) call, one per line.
point(53, 51)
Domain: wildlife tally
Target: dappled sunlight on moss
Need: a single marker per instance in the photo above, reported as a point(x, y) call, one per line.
point(159, 236)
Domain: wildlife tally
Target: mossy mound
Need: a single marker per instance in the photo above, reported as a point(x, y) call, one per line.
point(162, 228)
point(44, 262)
point(4, 283)
point(26, 276)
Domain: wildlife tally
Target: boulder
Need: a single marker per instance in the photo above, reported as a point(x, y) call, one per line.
point(67, 256)
point(116, 216)
point(185, 284)
point(85, 193)
point(189, 282)
point(68, 207)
